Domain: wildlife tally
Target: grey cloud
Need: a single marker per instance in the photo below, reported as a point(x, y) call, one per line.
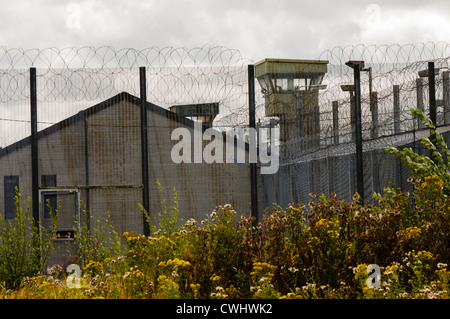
point(266, 28)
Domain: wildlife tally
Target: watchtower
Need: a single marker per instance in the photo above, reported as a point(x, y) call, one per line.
point(291, 93)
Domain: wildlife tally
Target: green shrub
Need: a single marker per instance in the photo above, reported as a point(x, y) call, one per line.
point(24, 245)
point(322, 250)
point(425, 166)
point(96, 239)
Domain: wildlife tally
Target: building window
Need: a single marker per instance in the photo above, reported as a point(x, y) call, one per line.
point(11, 185)
point(50, 200)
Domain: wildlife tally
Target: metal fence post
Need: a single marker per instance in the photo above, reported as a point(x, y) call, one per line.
point(374, 131)
point(376, 171)
point(335, 122)
point(432, 96)
point(398, 163)
point(86, 168)
point(374, 134)
point(432, 92)
point(357, 66)
point(331, 171)
point(252, 125)
point(396, 92)
point(420, 103)
point(446, 96)
point(34, 147)
point(144, 148)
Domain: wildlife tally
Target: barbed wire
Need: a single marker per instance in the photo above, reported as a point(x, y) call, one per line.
point(182, 75)
point(391, 65)
point(73, 79)
point(174, 74)
point(108, 57)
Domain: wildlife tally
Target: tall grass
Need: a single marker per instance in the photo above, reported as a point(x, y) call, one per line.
point(24, 245)
point(320, 250)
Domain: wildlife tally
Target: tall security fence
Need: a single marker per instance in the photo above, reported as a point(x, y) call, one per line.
point(90, 129)
point(394, 80)
point(95, 129)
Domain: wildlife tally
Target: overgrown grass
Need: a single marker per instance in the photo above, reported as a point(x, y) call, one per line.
point(319, 250)
point(24, 245)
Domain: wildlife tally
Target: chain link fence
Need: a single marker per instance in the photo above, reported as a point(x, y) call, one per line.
point(89, 127)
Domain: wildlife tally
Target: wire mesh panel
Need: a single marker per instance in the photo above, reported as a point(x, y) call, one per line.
point(91, 123)
point(392, 83)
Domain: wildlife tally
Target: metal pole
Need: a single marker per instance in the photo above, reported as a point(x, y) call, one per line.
point(252, 124)
point(420, 103)
point(369, 69)
point(144, 148)
point(300, 110)
point(352, 114)
point(335, 105)
point(432, 92)
point(396, 92)
point(34, 147)
point(358, 133)
point(446, 97)
point(86, 169)
point(374, 115)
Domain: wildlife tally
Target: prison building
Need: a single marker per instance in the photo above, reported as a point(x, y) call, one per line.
point(95, 157)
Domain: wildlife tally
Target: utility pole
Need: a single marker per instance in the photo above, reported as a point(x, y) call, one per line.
point(357, 66)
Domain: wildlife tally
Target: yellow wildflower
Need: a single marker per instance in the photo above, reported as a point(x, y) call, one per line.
point(413, 231)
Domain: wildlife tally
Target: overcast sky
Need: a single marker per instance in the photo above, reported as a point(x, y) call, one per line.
point(257, 28)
